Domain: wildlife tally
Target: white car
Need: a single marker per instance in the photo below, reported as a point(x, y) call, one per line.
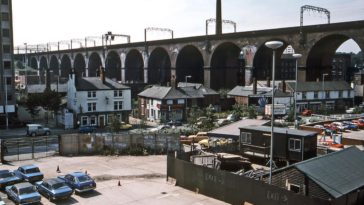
point(350, 110)
point(159, 128)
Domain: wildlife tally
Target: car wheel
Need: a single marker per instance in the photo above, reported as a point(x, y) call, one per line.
point(33, 134)
point(49, 198)
point(47, 133)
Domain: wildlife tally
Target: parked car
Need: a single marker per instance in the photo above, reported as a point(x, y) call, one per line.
point(350, 125)
point(232, 118)
point(306, 112)
point(8, 178)
point(23, 193)
point(37, 129)
point(125, 126)
point(30, 173)
point(87, 129)
point(79, 181)
point(350, 110)
point(174, 123)
point(198, 137)
point(54, 189)
point(159, 128)
point(340, 126)
point(359, 123)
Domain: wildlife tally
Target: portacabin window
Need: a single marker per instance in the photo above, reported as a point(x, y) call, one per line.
point(246, 138)
point(91, 94)
point(294, 145)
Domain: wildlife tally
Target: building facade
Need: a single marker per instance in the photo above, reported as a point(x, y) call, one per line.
point(98, 100)
point(7, 88)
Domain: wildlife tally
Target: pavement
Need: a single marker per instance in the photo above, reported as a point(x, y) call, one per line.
point(142, 180)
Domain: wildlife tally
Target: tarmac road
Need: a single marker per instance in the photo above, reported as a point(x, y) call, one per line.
point(142, 180)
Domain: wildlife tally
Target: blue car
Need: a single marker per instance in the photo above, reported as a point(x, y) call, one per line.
point(23, 193)
point(87, 129)
point(350, 125)
point(54, 189)
point(8, 178)
point(30, 173)
point(79, 181)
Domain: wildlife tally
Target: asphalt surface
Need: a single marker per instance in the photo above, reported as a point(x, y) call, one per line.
point(142, 180)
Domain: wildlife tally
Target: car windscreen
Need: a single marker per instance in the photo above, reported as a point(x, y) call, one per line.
point(84, 178)
point(32, 170)
point(27, 190)
point(6, 175)
point(58, 185)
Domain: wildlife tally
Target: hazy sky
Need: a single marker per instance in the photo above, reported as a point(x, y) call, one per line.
point(43, 21)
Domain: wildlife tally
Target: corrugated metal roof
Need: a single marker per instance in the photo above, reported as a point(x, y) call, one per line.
point(317, 86)
point(233, 128)
point(302, 133)
point(337, 173)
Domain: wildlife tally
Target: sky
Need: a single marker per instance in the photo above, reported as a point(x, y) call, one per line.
point(45, 21)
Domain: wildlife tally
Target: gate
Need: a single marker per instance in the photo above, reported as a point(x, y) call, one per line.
point(26, 148)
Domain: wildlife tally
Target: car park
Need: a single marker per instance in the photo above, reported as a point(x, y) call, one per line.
point(23, 193)
point(37, 129)
point(54, 189)
point(30, 173)
point(8, 178)
point(87, 129)
point(79, 181)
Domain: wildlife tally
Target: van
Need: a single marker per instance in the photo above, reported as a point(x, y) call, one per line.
point(37, 129)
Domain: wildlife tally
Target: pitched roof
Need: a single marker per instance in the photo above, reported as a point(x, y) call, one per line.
point(196, 90)
point(95, 83)
point(337, 173)
point(248, 90)
point(317, 86)
point(162, 92)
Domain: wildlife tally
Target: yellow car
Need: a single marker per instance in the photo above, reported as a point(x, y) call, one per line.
point(125, 126)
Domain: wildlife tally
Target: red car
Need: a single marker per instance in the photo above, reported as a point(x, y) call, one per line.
point(359, 123)
point(307, 112)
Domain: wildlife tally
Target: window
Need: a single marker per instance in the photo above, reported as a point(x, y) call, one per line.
point(294, 145)
point(294, 188)
point(304, 97)
point(246, 138)
point(6, 48)
point(4, 16)
point(8, 80)
point(6, 32)
point(91, 94)
point(118, 105)
point(118, 93)
point(315, 95)
point(84, 120)
point(327, 94)
point(5, 2)
point(7, 64)
point(10, 98)
point(92, 120)
point(91, 107)
point(169, 102)
point(340, 94)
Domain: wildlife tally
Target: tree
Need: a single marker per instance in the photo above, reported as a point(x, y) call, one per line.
point(115, 124)
point(252, 114)
point(210, 118)
point(238, 110)
point(51, 101)
point(32, 104)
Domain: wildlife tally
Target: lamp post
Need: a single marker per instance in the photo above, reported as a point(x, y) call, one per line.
point(186, 78)
point(272, 45)
point(323, 87)
point(26, 64)
point(241, 76)
point(6, 102)
point(296, 56)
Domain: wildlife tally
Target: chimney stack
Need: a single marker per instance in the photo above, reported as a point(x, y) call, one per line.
point(102, 74)
point(173, 81)
point(254, 86)
point(284, 86)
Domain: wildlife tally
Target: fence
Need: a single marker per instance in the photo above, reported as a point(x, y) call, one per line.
point(231, 188)
point(26, 148)
point(108, 143)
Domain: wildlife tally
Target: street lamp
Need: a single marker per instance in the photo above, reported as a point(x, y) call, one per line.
point(323, 87)
point(272, 45)
point(296, 56)
point(241, 76)
point(186, 77)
